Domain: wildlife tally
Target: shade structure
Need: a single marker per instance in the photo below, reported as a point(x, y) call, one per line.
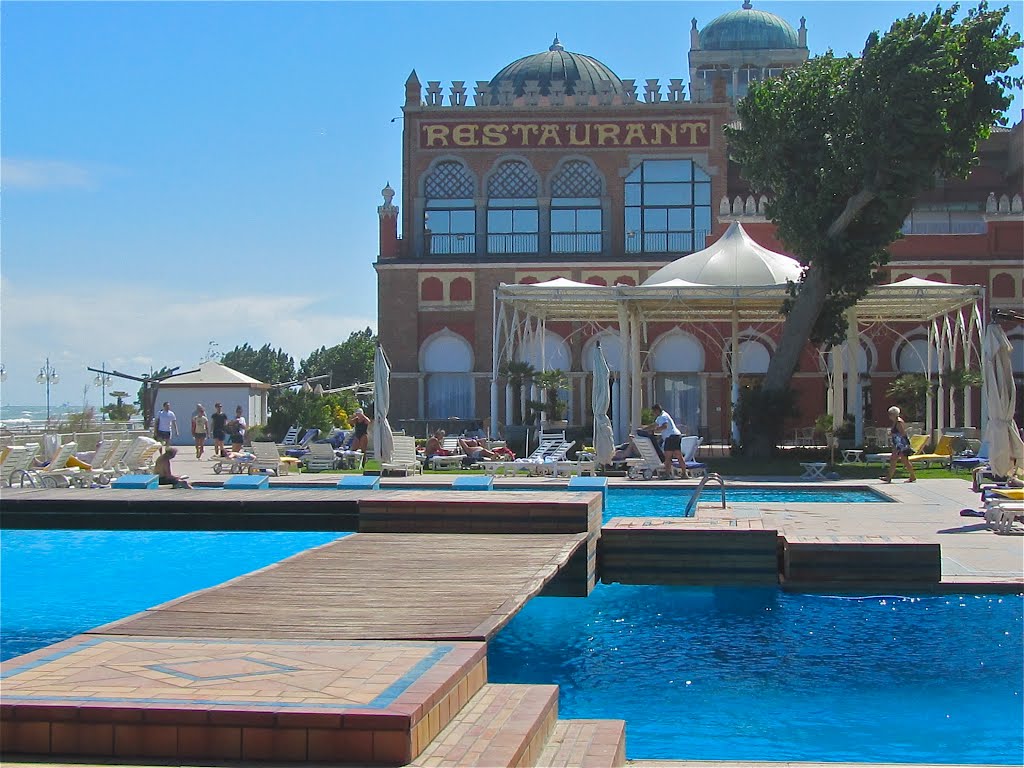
point(1005, 446)
point(383, 440)
point(604, 440)
point(687, 297)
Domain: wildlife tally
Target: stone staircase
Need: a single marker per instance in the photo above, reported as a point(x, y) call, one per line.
point(518, 725)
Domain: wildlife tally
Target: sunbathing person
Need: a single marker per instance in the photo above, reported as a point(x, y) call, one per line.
point(163, 470)
point(434, 445)
point(475, 450)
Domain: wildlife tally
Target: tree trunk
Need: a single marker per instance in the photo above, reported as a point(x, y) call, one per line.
point(795, 333)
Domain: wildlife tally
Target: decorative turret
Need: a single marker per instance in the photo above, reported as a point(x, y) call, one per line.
point(388, 214)
point(412, 90)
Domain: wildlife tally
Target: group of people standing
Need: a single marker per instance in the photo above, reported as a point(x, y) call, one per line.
point(217, 425)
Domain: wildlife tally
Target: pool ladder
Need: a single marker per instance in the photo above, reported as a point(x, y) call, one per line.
point(692, 504)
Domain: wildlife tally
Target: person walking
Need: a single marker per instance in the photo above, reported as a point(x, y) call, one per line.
point(219, 427)
point(901, 449)
point(166, 424)
point(238, 427)
point(200, 428)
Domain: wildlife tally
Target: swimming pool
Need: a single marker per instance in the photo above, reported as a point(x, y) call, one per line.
point(745, 674)
point(55, 584)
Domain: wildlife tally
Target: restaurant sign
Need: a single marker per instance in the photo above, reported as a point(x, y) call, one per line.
point(551, 134)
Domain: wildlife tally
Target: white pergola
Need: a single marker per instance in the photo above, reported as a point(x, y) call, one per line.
point(951, 314)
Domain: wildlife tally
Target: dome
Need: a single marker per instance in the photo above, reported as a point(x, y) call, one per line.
point(748, 29)
point(734, 259)
point(556, 63)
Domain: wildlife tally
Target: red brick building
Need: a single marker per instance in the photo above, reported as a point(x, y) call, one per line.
point(557, 167)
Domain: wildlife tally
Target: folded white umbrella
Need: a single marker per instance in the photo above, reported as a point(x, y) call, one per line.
point(383, 440)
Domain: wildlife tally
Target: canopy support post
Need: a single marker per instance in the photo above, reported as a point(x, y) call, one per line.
point(734, 389)
point(854, 392)
point(624, 398)
point(634, 366)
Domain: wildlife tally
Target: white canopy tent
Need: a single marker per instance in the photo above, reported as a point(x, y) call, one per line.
point(950, 312)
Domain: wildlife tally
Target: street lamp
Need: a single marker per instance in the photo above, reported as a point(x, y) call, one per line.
point(102, 380)
point(47, 375)
point(3, 378)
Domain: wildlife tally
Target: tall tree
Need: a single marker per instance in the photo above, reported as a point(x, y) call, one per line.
point(271, 366)
point(350, 362)
point(842, 146)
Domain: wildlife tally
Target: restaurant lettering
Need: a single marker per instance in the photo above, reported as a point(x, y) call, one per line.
point(593, 135)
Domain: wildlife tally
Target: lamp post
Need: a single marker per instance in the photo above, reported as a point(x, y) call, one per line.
point(3, 378)
point(102, 380)
point(47, 375)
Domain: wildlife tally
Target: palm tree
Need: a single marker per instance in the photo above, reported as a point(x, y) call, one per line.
point(552, 381)
point(518, 375)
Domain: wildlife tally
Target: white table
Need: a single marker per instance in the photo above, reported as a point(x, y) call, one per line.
point(813, 470)
point(853, 456)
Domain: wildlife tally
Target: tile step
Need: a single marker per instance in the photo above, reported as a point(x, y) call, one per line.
point(585, 744)
point(502, 726)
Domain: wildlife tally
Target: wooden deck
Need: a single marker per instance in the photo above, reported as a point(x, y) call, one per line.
point(371, 587)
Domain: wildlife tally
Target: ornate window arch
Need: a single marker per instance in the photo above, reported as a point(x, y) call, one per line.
point(577, 220)
point(677, 358)
point(513, 217)
point(668, 207)
point(449, 220)
point(446, 359)
point(912, 356)
point(611, 345)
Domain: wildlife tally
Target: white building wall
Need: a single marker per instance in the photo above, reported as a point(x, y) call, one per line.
point(183, 400)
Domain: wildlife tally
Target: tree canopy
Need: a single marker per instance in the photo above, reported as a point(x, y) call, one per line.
point(350, 362)
point(271, 366)
point(842, 146)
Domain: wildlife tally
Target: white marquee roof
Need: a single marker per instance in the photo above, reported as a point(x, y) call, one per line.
point(913, 300)
point(734, 259)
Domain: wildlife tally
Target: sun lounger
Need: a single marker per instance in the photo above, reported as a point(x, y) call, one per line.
point(451, 460)
point(235, 463)
point(551, 447)
point(403, 457)
point(290, 436)
point(689, 446)
point(917, 442)
point(943, 453)
point(57, 474)
point(17, 462)
point(266, 458)
point(321, 457)
point(649, 464)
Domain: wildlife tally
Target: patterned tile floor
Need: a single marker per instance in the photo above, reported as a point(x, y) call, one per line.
point(250, 675)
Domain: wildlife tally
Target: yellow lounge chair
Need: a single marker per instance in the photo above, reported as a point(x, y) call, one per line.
point(943, 452)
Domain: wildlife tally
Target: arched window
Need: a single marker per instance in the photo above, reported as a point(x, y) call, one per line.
point(460, 290)
point(576, 218)
point(431, 289)
point(913, 357)
point(447, 360)
point(668, 207)
point(596, 280)
point(449, 222)
point(1003, 286)
point(512, 215)
point(676, 359)
point(754, 358)
point(624, 280)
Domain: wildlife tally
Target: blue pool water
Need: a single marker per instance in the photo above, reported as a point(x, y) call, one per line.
point(55, 584)
point(744, 674)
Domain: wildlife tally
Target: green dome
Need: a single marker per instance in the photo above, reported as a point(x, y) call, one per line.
point(748, 29)
point(556, 63)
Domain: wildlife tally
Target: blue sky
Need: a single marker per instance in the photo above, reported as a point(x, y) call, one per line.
point(176, 174)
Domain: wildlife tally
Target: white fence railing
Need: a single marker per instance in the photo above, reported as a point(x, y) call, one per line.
point(19, 434)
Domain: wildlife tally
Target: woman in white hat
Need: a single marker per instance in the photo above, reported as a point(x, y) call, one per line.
point(361, 425)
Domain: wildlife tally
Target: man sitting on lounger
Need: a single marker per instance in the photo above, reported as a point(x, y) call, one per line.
point(475, 451)
point(434, 445)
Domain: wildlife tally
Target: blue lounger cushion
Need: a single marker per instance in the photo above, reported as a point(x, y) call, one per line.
point(473, 483)
point(247, 481)
point(136, 481)
point(353, 482)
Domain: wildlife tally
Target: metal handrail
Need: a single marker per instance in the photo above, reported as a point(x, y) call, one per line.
point(700, 488)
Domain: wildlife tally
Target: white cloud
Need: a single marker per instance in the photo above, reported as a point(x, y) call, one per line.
point(128, 327)
point(21, 173)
